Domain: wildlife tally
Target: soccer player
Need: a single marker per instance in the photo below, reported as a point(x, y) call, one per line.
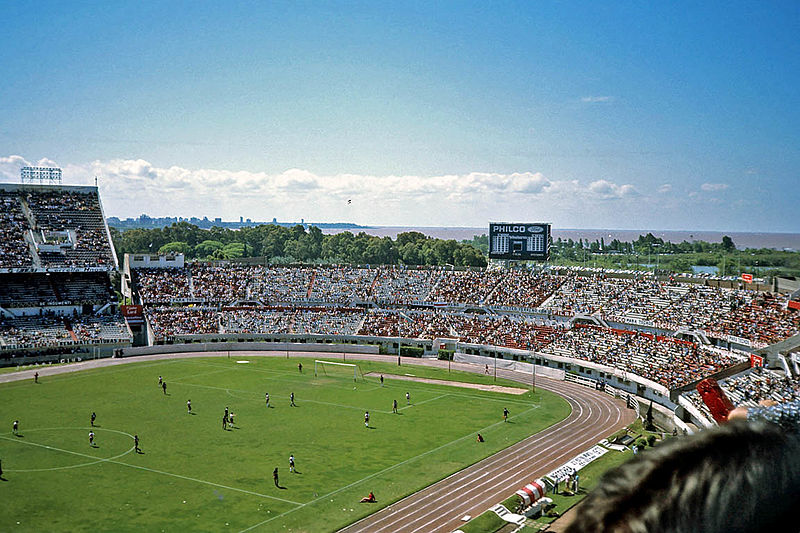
point(480, 437)
point(300, 367)
point(92, 419)
point(381, 380)
point(189, 406)
point(160, 381)
point(164, 386)
point(291, 463)
point(91, 438)
point(225, 422)
point(136, 444)
point(36, 377)
point(266, 398)
point(275, 477)
point(505, 414)
point(408, 399)
point(394, 406)
point(230, 419)
point(291, 400)
point(366, 418)
point(15, 427)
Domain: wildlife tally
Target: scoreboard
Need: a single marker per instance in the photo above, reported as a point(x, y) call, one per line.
point(520, 241)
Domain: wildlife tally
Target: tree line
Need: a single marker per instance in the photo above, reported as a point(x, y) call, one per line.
point(297, 244)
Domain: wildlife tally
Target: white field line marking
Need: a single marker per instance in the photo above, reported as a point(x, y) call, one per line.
point(112, 460)
point(245, 491)
point(76, 373)
point(304, 400)
point(54, 448)
point(381, 472)
point(389, 384)
point(423, 401)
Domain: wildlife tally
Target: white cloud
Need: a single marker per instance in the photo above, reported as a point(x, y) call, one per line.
point(713, 187)
point(665, 188)
point(607, 190)
point(130, 187)
point(10, 165)
point(597, 99)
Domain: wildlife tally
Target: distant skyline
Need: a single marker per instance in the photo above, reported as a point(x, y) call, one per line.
point(588, 115)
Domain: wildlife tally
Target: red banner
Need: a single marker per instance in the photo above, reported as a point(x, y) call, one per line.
point(133, 314)
point(748, 278)
point(756, 360)
point(793, 304)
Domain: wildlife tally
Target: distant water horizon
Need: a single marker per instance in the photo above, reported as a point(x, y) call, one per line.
point(778, 241)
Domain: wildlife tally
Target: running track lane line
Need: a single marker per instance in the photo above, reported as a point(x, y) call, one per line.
point(608, 415)
point(507, 471)
point(388, 469)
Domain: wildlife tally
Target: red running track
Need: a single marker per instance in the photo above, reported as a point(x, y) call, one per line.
point(440, 507)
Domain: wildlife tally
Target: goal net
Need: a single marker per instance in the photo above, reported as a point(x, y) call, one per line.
point(335, 369)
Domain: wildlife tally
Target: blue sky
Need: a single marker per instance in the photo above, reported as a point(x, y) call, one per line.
point(638, 115)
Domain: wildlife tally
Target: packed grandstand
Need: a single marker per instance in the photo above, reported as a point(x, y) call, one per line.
point(56, 258)
point(654, 337)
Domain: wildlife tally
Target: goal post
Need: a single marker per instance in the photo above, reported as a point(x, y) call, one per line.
point(322, 367)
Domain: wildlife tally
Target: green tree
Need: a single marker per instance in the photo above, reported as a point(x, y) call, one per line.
point(207, 248)
point(176, 247)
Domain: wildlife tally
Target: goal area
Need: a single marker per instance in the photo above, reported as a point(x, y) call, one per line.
point(335, 369)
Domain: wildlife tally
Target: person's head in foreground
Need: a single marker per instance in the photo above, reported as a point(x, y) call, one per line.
point(740, 477)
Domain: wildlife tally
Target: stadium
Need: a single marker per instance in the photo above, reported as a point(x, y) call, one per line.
point(508, 383)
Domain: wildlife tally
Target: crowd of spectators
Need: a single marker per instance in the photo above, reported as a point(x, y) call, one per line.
point(33, 332)
point(750, 387)
point(402, 286)
point(665, 360)
point(78, 213)
point(167, 322)
point(765, 319)
point(14, 252)
point(669, 305)
point(101, 329)
point(162, 285)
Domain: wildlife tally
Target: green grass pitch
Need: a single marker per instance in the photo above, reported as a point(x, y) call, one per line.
point(194, 476)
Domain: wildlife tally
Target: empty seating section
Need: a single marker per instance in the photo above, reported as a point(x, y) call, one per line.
point(37, 289)
point(14, 251)
point(26, 290)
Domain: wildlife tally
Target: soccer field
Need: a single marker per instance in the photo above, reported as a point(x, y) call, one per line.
point(195, 476)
